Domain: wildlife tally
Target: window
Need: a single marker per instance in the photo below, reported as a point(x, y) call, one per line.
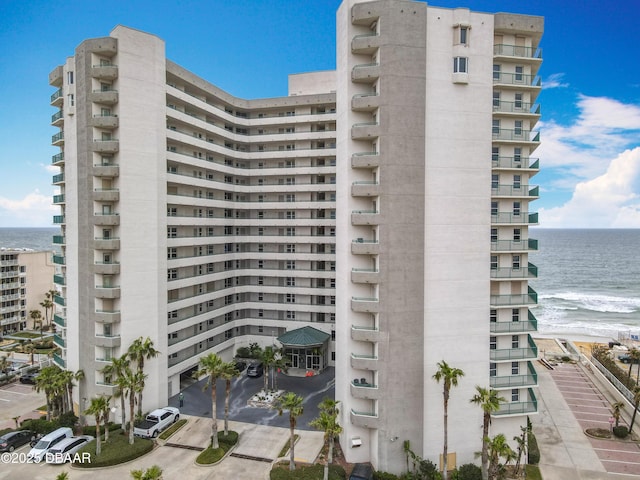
point(291, 215)
point(172, 252)
point(493, 342)
point(515, 395)
point(518, 103)
point(172, 274)
point(70, 78)
point(517, 156)
point(493, 315)
point(291, 197)
point(260, 263)
point(516, 234)
point(496, 72)
point(460, 64)
point(260, 280)
point(290, 298)
point(495, 154)
point(515, 314)
point(291, 281)
point(496, 100)
point(291, 248)
point(516, 209)
point(260, 214)
point(515, 341)
point(464, 35)
point(261, 247)
point(493, 369)
point(494, 262)
point(494, 234)
point(515, 262)
point(291, 231)
point(515, 368)
point(290, 264)
point(495, 180)
point(517, 130)
point(495, 127)
point(291, 315)
point(260, 313)
point(172, 232)
point(519, 77)
point(494, 208)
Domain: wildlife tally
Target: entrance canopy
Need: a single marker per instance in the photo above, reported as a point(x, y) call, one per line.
point(306, 348)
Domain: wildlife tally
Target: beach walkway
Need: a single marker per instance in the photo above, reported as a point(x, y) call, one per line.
point(570, 404)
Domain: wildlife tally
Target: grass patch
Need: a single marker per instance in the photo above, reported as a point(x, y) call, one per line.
point(172, 429)
point(209, 455)
point(532, 472)
point(116, 451)
point(310, 472)
point(285, 449)
point(26, 335)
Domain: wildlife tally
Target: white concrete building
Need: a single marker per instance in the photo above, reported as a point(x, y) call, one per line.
point(25, 279)
point(384, 204)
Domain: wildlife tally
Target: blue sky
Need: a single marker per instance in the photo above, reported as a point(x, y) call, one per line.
point(590, 127)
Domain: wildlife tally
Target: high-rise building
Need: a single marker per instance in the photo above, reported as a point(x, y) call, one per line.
point(385, 205)
point(25, 279)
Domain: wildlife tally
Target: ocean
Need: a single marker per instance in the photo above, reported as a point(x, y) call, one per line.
point(588, 280)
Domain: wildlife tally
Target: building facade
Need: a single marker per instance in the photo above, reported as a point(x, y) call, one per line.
point(385, 204)
point(25, 279)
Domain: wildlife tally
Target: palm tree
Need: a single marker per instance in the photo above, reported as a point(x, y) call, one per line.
point(36, 316)
point(29, 348)
point(46, 382)
point(47, 304)
point(293, 403)
point(140, 350)
point(133, 383)
point(489, 401)
point(229, 372)
point(634, 356)
point(152, 473)
point(498, 448)
point(63, 476)
point(521, 440)
point(636, 403)
point(4, 364)
point(449, 376)
point(327, 421)
point(616, 411)
point(213, 366)
point(268, 358)
point(97, 408)
point(75, 377)
point(117, 369)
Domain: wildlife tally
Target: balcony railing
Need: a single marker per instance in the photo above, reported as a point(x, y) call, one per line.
point(517, 51)
point(531, 325)
point(58, 198)
point(56, 95)
point(516, 107)
point(512, 381)
point(520, 190)
point(59, 279)
point(59, 300)
point(57, 137)
point(57, 158)
point(56, 116)
point(58, 260)
point(509, 272)
point(58, 219)
point(59, 360)
point(530, 298)
point(58, 178)
point(523, 218)
point(517, 79)
point(520, 353)
point(519, 408)
point(59, 240)
point(515, 162)
point(58, 340)
point(58, 320)
point(514, 245)
point(516, 135)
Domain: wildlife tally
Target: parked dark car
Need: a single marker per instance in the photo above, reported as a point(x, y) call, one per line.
point(626, 358)
point(10, 441)
point(29, 378)
point(240, 365)
point(361, 471)
point(255, 370)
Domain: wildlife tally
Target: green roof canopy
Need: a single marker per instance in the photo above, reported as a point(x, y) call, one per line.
point(304, 337)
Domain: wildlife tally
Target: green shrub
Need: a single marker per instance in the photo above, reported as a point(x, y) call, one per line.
point(602, 355)
point(620, 431)
point(532, 472)
point(172, 429)
point(534, 451)
point(243, 352)
point(91, 429)
point(230, 439)
point(306, 472)
point(384, 476)
point(469, 471)
point(116, 451)
point(39, 425)
point(209, 455)
point(67, 419)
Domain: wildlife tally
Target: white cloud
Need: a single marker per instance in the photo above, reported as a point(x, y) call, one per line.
point(554, 81)
point(610, 200)
point(34, 210)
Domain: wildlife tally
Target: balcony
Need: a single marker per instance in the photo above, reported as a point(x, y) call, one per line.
point(365, 217)
point(524, 163)
point(104, 97)
point(364, 362)
point(59, 178)
point(105, 121)
point(524, 245)
point(517, 218)
point(58, 320)
point(104, 72)
point(530, 352)
point(106, 219)
point(365, 160)
point(366, 43)
point(58, 138)
point(364, 419)
point(57, 118)
point(522, 109)
point(531, 325)
point(515, 273)
point(362, 246)
point(107, 316)
point(57, 98)
point(365, 334)
point(105, 146)
point(365, 102)
point(59, 361)
point(59, 300)
point(513, 300)
point(58, 199)
point(365, 73)
point(58, 219)
point(365, 189)
point(365, 130)
point(58, 340)
point(106, 170)
point(58, 260)
point(107, 341)
point(102, 243)
point(107, 292)
point(59, 279)
point(502, 50)
point(365, 304)
point(106, 194)
point(516, 135)
point(517, 191)
point(519, 80)
point(57, 159)
point(530, 405)
point(530, 379)
point(365, 391)
point(112, 268)
point(365, 275)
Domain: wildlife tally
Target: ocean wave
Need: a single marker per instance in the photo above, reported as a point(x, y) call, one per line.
point(596, 303)
point(612, 330)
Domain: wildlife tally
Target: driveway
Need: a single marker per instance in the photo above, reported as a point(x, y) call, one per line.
point(312, 389)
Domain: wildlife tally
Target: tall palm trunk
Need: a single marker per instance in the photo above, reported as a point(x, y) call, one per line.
point(141, 370)
point(123, 415)
point(445, 447)
point(226, 406)
point(214, 415)
point(292, 441)
point(98, 440)
point(485, 445)
point(132, 405)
